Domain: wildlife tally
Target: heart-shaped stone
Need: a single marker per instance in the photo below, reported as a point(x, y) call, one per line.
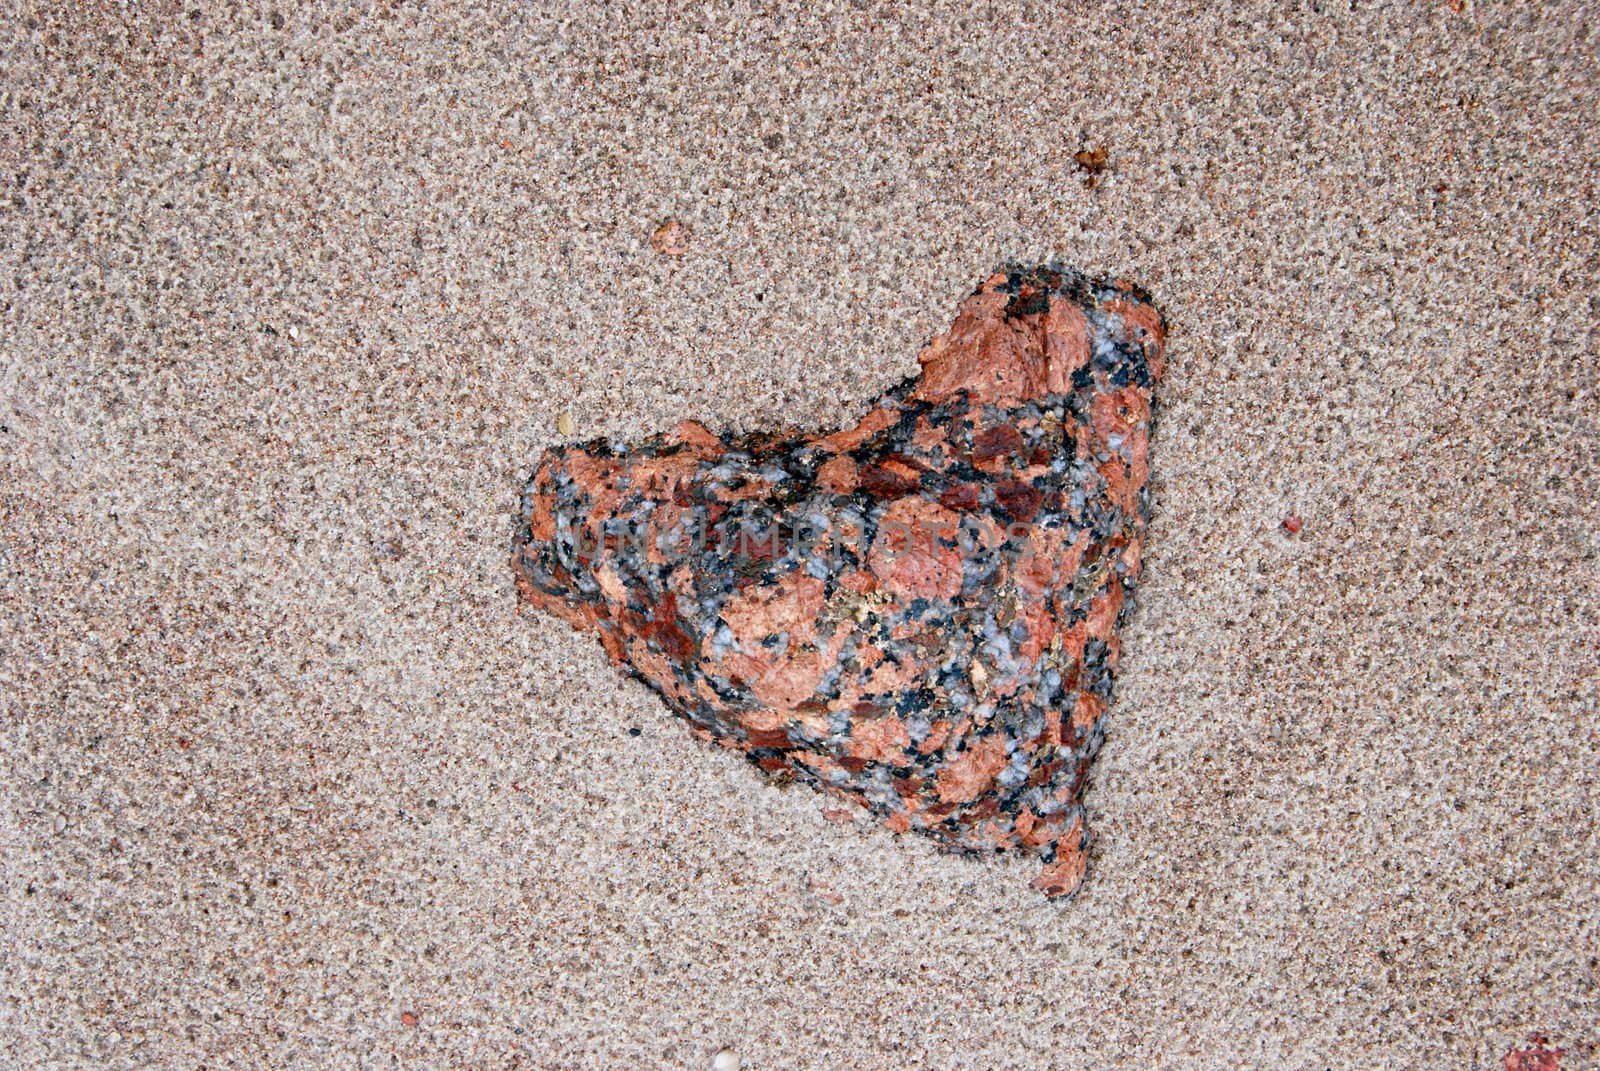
point(918, 613)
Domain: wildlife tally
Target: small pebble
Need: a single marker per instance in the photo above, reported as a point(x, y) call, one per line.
point(408, 1018)
point(565, 424)
point(725, 1061)
point(671, 239)
point(1293, 523)
point(1092, 160)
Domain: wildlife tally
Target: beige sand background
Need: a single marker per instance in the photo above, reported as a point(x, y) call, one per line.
point(291, 300)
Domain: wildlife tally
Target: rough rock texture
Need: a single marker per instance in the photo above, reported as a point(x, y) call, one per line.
point(1537, 1055)
point(919, 612)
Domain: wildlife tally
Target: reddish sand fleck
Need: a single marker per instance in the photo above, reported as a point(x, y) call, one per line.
point(671, 239)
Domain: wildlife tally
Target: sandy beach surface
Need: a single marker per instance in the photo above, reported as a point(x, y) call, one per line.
point(291, 300)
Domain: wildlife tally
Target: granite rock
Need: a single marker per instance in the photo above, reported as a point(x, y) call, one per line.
point(919, 613)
